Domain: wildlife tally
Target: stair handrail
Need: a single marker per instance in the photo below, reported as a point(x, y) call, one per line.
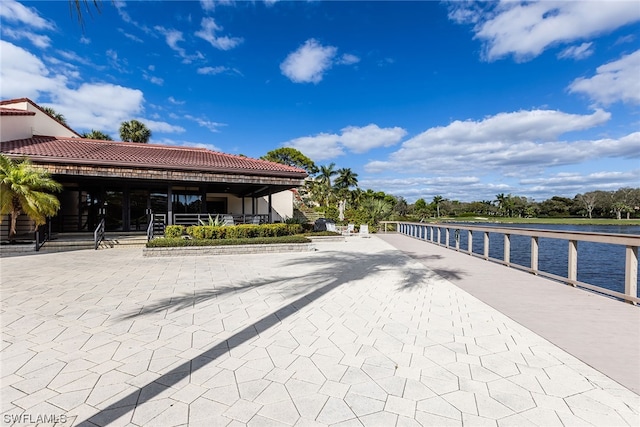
point(150, 228)
point(43, 234)
point(98, 234)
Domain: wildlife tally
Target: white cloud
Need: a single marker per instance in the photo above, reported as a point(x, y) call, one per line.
point(182, 143)
point(130, 36)
point(212, 70)
point(526, 29)
point(24, 75)
point(577, 52)
point(362, 139)
point(208, 30)
point(100, 106)
point(348, 59)
point(159, 126)
point(352, 138)
point(173, 37)
point(308, 63)
point(121, 65)
point(319, 147)
point(615, 81)
point(212, 126)
point(210, 5)
point(507, 143)
point(153, 79)
point(13, 11)
point(37, 40)
point(175, 101)
point(85, 40)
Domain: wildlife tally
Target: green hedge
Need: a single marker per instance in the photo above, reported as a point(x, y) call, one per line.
point(173, 231)
point(181, 242)
point(243, 231)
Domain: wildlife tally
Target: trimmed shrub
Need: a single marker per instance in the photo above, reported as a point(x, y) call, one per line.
point(173, 231)
point(179, 242)
point(242, 231)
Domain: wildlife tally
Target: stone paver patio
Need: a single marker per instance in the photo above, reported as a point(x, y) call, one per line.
point(356, 333)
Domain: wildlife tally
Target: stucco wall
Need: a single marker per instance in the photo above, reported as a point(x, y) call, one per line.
point(15, 127)
point(41, 123)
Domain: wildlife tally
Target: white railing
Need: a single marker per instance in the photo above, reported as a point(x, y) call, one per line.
point(433, 233)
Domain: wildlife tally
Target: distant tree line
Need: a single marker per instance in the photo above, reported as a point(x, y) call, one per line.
point(621, 203)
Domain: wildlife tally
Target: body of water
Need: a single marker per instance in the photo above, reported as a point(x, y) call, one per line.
point(599, 264)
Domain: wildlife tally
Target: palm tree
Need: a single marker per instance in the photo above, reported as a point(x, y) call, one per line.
point(96, 134)
point(23, 189)
point(324, 178)
point(376, 209)
point(346, 178)
point(75, 6)
point(134, 131)
point(53, 113)
point(436, 201)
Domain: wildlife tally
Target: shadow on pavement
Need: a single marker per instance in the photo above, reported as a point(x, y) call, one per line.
point(334, 269)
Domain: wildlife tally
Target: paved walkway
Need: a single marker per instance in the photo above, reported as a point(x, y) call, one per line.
point(356, 333)
point(600, 331)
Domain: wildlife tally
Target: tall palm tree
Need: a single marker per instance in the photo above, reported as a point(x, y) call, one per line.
point(436, 201)
point(96, 134)
point(53, 113)
point(346, 178)
point(324, 178)
point(23, 188)
point(134, 131)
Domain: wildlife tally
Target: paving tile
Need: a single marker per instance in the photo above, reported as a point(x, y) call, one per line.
point(283, 411)
point(334, 389)
point(400, 406)
point(335, 411)
point(203, 409)
point(242, 410)
point(362, 405)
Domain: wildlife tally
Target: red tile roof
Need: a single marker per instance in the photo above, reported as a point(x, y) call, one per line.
point(14, 112)
point(49, 149)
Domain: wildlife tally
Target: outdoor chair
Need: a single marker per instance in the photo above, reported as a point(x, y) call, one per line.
point(364, 230)
point(255, 220)
point(228, 220)
point(350, 230)
point(331, 226)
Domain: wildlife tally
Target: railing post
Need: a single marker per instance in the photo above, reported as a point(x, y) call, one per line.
point(470, 242)
point(439, 233)
point(631, 272)
point(458, 240)
point(507, 249)
point(534, 254)
point(486, 245)
point(572, 268)
point(446, 236)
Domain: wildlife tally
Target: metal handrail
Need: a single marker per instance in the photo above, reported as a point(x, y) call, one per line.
point(45, 229)
point(98, 234)
point(433, 233)
point(150, 229)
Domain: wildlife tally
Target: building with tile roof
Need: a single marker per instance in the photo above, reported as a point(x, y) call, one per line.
point(126, 182)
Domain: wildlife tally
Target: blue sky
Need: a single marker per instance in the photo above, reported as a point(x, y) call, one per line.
point(460, 99)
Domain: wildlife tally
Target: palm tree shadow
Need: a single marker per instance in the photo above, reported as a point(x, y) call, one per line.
point(331, 270)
